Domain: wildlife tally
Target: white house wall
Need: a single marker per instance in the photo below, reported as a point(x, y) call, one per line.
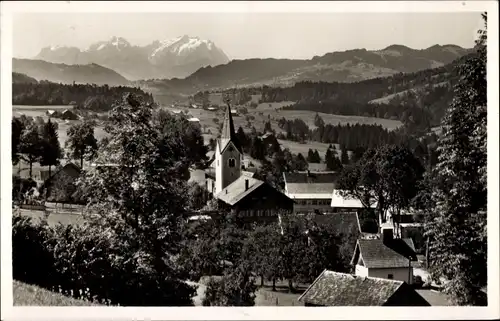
point(361, 270)
point(400, 274)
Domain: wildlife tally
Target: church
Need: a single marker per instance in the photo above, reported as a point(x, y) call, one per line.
point(235, 188)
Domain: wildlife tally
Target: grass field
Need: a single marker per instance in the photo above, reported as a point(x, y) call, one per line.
point(30, 295)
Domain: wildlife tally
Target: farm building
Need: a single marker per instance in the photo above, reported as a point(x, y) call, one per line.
point(340, 289)
point(387, 257)
point(270, 141)
point(68, 115)
point(252, 199)
point(60, 186)
point(53, 113)
point(311, 192)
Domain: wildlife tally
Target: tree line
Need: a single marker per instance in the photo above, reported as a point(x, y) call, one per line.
point(37, 141)
point(86, 97)
point(358, 138)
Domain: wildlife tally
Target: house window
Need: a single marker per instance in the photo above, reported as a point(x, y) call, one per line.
point(232, 162)
point(390, 276)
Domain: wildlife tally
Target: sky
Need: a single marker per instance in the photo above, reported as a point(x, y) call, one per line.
point(249, 35)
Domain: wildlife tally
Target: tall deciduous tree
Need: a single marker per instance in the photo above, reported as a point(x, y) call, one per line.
point(386, 177)
point(50, 148)
point(235, 288)
point(457, 230)
point(142, 198)
point(82, 142)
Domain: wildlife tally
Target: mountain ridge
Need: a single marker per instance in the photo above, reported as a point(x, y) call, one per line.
point(342, 66)
point(177, 57)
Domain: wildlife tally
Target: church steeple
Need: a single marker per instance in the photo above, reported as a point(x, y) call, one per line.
point(228, 155)
point(228, 134)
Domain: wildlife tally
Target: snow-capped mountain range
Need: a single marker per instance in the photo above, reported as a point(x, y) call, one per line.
point(172, 58)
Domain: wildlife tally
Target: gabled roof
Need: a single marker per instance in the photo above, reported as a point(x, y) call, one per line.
point(377, 254)
point(236, 191)
point(340, 289)
point(309, 183)
point(228, 134)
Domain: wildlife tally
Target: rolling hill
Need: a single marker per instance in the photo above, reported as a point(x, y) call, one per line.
point(68, 74)
point(346, 66)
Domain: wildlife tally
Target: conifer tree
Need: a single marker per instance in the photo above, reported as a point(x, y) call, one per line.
point(457, 230)
point(50, 147)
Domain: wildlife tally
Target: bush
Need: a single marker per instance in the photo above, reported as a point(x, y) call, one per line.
point(20, 186)
point(32, 260)
point(233, 289)
point(86, 262)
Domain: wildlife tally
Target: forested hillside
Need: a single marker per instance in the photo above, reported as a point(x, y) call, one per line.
point(89, 97)
point(418, 99)
point(18, 78)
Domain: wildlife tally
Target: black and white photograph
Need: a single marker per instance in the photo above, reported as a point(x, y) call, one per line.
point(248, 155)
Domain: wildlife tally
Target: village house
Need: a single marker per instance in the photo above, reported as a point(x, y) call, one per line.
point(254, 200)
point(340, 289)
point(311, 192)
point(386, 257)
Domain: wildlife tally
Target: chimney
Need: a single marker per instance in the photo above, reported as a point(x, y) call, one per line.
point(246, 184)
point(387, 234)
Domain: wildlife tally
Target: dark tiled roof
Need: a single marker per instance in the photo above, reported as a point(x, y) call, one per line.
point(340, 222)
point(340, 289)
point(376, 254)
point(235, 192)
point(310, 183)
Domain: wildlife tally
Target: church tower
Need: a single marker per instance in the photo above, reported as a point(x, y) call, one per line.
point(228, 155)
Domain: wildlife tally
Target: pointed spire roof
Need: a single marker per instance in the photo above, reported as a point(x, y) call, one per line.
point(228, 134)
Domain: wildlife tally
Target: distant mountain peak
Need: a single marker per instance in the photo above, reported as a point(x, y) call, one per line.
point(397, 48)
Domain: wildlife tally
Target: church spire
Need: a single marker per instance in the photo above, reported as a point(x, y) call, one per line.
point(228, 134)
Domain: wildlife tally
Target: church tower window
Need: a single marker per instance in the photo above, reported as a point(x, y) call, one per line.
point(232, 162)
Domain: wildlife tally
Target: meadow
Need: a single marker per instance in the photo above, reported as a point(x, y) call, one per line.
point(31, 295)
